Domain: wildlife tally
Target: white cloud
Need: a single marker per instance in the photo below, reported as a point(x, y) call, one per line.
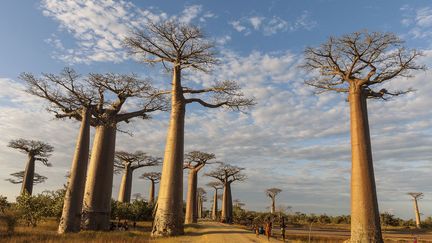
point(256, 21)
point(419, 20)
point(273, 25)
point(99, 26)
point(291, 139)
point(238, 26)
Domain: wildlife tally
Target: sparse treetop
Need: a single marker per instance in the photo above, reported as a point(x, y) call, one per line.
point(134, 160)
point(39, 150)
point(19, 177)
point(361, 59)
point(153, 176)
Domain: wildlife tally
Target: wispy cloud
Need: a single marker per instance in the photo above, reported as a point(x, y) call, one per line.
point(419, 20)
point(99, 26)
point(273, 25)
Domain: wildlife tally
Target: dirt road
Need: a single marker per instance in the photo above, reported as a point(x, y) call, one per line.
point(212, 232)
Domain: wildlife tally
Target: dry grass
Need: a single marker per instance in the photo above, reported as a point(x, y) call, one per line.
point(46, 232)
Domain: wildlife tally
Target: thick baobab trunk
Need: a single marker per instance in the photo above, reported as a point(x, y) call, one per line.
point(27, 184)
point(215, 206)
point(199, 208)
point(273, 207)
point(191, 203)
point(71, 216)
point(97, 196)
point(169, 214)
point(126, 185)
point(365, 221)
point(417, 213)
point(152, 189)
point(226, 214)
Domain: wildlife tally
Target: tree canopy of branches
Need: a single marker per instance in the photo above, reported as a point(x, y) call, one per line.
point(19, 178)
point(194, 162)
point(179, 47)
point(272, 193)
point(36, 151)
point(360, 64)
point(128, 162)
point(227, 174)
point(154, 178)
point(102, 98)
point(360, 60)
point(40, 151)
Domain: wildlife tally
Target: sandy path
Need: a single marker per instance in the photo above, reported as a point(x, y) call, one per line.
point(212, 232)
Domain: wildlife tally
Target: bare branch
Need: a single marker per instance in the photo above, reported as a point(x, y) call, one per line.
point(195, 160)
point(360, 59)
point(38, 150)
point(19, 177)
point(152, 176)
point(134, 160)
point(227, 173)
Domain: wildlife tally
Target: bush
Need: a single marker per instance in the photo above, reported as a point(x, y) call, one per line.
point(10, 218)
point(138, 210)
point(3, 204)
point(33, 208)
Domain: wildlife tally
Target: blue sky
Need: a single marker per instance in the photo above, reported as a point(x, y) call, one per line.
point(291, 139)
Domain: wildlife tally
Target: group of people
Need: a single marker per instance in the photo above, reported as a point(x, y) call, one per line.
point(267, 229)
point(121, 226)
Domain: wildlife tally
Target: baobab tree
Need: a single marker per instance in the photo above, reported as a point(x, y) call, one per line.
point(272, 193)
point(180, 47)
point(227, 174)
point(195, 161)
point(128, 163)
point(19, 178)
point(416, 196)
point(356, 64)
point(36, 151)
point(154, 178)
point(201, 198)
point(96, 100)
point(216, 185)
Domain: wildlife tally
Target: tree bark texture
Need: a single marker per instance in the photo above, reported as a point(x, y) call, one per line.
point(215, 206)
point(97, 196)
point(365, 221)
point(71, 215)
point(273, 207)
point(126, 185)
point(151, 192)
point(199, 209)
point(169, 214)
point(27, 184)
point(226, 214)
point(417, 213)
point(191, 203)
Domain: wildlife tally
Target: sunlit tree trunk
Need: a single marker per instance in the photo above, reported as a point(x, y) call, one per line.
point(152, 192)
point(169, 214)
point(191, 201)
point(365, 222)
point(97, 197)
point(71, 216)
point(215, 206)
point(417, 213)
point(27, 184)
point(126, 185)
